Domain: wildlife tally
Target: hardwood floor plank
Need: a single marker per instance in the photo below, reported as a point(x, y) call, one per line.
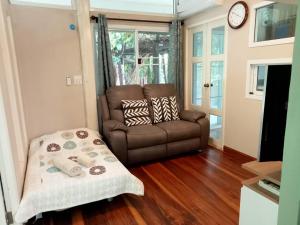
point(204, 211)
point(77, 218)
point(228, 165)
point(137, 216)
point(108, 213)
point(217, 194)
point(157, 206)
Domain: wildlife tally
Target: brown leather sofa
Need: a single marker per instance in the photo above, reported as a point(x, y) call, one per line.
point(149, 142)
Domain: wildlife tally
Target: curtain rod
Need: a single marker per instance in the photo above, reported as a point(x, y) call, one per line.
point(132, 20)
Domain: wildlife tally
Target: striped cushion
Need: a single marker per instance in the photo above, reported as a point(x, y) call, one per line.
point(136, 112)
point(165, 109)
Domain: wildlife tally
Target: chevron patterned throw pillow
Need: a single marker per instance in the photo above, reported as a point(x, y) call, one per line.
point(136, 112)
point(165, 109)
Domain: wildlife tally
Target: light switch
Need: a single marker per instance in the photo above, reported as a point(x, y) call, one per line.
point(77, 80)
point(68, 81)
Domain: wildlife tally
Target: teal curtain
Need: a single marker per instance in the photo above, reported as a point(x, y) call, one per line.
point(105, 71)
point(175, 71)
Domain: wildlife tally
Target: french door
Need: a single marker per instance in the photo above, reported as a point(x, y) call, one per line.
point(207, 69)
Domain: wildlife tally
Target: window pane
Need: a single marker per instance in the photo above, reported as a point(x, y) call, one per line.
point(198, 44)
point(216, 89)
point(217, 41)
point(153, 57)
point(261, 74)
point(146, 6)
point(197, 84)
point(123, 54)
point(275, 21)
point(215, 127)
point(49, 2)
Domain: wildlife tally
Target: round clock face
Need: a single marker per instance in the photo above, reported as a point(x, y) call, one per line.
point(237, 15)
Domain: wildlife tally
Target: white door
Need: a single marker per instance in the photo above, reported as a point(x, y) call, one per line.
point(207, 50)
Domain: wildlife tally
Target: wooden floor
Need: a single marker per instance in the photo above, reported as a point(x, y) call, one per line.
point(200, 188)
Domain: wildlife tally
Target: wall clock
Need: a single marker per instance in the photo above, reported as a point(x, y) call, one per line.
point(238, 14)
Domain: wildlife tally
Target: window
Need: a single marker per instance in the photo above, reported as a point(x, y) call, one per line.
point(216, 85)
point(257, 74)
point(145, 6)
point(217, 40)
point(140, 57)
point(274, 23)
point(50, 3)
point(215, 127)
point(197, 83)
point(198, 44)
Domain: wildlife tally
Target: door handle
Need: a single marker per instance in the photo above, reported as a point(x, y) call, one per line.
point(206, 85)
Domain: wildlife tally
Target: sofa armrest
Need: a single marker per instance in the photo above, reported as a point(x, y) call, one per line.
point(205, 129)
point(113, 125)
point(115, 135)
point(192, 116)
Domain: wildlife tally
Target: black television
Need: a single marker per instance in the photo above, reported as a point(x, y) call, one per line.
point(275, 112)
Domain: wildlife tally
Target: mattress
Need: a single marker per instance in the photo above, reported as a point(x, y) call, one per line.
point(46, 188)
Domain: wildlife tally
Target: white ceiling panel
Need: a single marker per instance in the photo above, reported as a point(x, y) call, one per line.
point(188, 8)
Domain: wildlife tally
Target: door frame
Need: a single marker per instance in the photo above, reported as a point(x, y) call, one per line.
point(188, 71)
point(2, 206)
point(10, 123)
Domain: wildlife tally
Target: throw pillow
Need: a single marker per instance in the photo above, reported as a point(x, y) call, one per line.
point(136, 112)
point(165, 109)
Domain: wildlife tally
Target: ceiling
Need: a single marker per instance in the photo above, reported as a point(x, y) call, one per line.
point(163, 7)
point(160, 8)
point(187, 8)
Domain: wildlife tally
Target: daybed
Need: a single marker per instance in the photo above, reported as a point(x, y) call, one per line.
point(47, 188)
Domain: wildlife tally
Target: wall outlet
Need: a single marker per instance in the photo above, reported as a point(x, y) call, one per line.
point(77, 80)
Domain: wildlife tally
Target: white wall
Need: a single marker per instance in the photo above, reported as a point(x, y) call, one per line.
point(48, 51)
point(243, 116)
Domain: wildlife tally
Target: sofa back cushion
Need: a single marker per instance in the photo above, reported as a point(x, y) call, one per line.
point(116, 94)
point(159, 90)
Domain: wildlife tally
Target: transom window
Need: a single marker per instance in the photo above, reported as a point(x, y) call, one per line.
point(145, 6)
point(257, 75)
point(51, 3)
point(274, 23)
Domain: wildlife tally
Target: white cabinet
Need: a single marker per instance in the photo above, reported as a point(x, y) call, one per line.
point(256, 209)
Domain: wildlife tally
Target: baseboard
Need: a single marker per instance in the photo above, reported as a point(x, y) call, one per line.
point(228, 149)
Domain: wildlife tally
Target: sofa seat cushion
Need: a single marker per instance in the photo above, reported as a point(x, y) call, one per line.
point(145, 136)
point(180, 130)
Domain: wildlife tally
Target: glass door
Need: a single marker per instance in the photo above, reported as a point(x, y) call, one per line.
point(207, 75)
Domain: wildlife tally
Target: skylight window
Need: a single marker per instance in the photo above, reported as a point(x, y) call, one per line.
point(50, 3)
point(140, 6)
